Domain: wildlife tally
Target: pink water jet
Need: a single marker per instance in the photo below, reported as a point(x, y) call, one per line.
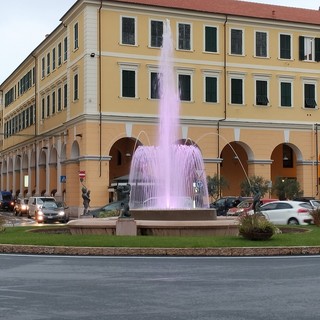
point(169, 175)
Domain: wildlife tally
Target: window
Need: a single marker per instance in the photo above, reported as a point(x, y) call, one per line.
point(184, 37)
point(43, 67)
point(309, 49)
point(310, 95)
point(128, 31)
point(211, 89)
point(32, 108)
point(9, 97)
point(128, 83)
point(185, 87)
point(28, 117)
point(287, 156)
point(59, 99)
point(154, 85)
point(48, 106)
point(76, 87)
point(236, 91)
point(76, 36)
point(65, 95)
point(210, 41)
point(65, 49)
point(262, 93)
point(285, 94)
point(59, 54)
point(53, 59)
point(53, 102)
point(285, 46)
point(48, 63)
point(156, 34)
point(42, 108)
point(261, 44)
point(236, 41)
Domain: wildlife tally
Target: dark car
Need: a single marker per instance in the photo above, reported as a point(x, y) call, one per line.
point(21, 206)
point(50, 211)
point(111, 209)
point(223, 204)
point(6, 201)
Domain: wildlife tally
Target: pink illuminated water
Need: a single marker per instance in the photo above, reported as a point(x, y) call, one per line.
point(169, 175)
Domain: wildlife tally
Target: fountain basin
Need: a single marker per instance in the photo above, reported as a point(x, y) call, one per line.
point(174, 214)
point(108, 226)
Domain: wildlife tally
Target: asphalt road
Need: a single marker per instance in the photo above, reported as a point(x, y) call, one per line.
point(159, 288)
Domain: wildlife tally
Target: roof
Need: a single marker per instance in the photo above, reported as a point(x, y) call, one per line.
point(238, 8)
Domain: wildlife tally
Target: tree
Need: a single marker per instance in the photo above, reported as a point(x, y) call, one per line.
point(215, 185)
point(287, 188)
point(254, 181)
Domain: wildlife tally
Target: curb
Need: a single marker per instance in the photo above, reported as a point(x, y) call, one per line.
point(182, 252)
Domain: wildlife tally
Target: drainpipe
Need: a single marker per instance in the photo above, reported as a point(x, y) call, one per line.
point(317, 159)
point(224, 92)
point(35, 121)
point(100, 88)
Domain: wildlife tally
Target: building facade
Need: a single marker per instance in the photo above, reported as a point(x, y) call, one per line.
point(84, 99)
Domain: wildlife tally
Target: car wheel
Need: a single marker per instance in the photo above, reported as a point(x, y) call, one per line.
point(293, 221)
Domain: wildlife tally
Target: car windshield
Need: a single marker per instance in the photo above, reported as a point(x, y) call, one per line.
point(42, 200)
point(49, 204)
point(60, 204)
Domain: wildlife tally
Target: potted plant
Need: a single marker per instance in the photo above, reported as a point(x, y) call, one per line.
point(256, 227)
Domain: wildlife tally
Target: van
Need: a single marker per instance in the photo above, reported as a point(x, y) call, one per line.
point(6, 201)
point(35, 204)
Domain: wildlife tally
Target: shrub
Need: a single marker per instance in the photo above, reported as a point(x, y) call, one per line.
point(109, 214)
point(2, 223)
point(256, 227)
point(315, 213)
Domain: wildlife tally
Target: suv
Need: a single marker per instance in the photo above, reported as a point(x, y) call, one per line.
point(6, 201)
point(35, 203)
point(21, 206)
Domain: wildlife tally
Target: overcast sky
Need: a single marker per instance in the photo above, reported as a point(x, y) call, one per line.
point(24, 24)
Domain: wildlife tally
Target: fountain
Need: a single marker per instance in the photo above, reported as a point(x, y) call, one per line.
point(168, 195)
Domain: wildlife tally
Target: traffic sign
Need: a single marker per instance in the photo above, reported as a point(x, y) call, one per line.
point(82, 174)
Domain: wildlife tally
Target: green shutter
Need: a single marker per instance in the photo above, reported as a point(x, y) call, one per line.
point(211, 39)
point(301, 48)
point(285, 94)
point(317, 49)
point(236, 91)
point(211, 89)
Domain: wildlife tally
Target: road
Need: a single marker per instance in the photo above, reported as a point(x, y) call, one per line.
point(159, 288)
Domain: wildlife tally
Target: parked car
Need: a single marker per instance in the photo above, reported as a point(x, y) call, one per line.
point(223, 204)
point(21, 207)
point(6, 201)
point(50, 211)
point(246, 206)
point(314, 203)
point(36, 202)
point(112, 206)
point(287, 212)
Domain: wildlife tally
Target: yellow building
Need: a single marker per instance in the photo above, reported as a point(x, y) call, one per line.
point(87, 96)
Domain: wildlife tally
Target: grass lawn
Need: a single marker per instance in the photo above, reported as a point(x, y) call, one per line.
point(23, 236)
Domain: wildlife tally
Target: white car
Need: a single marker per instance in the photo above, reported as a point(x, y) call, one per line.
point(287, 212)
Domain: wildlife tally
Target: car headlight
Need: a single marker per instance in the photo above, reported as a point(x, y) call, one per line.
point(23, 207)
point(61, 213)
point(40, 213)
